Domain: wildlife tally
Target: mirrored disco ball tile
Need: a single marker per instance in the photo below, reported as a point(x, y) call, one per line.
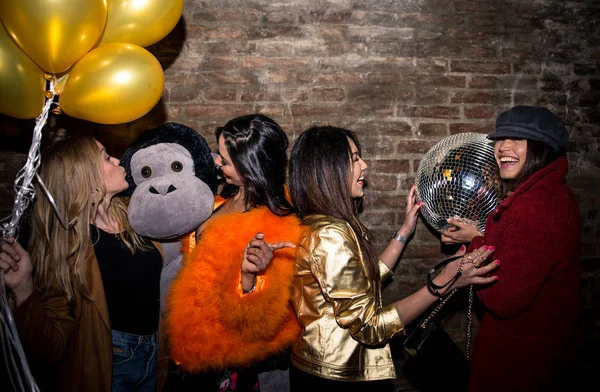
point(457, 177)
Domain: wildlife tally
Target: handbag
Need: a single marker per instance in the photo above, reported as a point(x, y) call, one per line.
point(435, 362)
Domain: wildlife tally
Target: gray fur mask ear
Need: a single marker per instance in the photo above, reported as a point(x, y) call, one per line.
point(169, 200)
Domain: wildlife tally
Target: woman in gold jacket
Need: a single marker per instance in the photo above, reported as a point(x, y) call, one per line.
point(68, 305)
point(337, 290)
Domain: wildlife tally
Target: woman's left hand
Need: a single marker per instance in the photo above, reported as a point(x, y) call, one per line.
point(257, 256)
point(473, 270)
point(412, 212)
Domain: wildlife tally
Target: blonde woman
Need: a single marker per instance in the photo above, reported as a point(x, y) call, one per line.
point(87, 295)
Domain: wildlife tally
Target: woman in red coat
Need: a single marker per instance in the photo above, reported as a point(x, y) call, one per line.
point(527, 336)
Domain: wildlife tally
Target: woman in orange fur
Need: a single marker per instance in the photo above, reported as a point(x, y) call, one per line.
point(228, 310)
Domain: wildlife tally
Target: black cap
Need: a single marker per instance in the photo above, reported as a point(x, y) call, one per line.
point(532, 123)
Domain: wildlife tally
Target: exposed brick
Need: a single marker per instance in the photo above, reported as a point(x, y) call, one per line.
point(432, 129)
point(322, 110)
point(389, 165)
point(226, 16)
point(216, 94)
point(486, 128)
point(275, 94)
point(476, 6)
point(431, 97)
point(480, 112)
point(527, 67)
point(484, 82)
point(184, 93)
point(480, 67)
point(440, 81)
point(275, 77)
point(230, 33)
point(373, 219)
point(328, 94)
point(414, 146)
point(228, 78)
point(331, 79)
point(379, 93)
point(279, 17)
point(382, 182)
point(435, 112)
point(480, 97)
point(208, 110)
point(219, 63)
point(276, 63)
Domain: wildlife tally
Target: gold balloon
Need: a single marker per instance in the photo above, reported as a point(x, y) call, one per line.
point(57, 33)
point(141, 22)
point(113, 84)
point(22, 92)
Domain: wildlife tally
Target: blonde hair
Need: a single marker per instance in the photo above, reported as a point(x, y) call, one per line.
point(71, 170)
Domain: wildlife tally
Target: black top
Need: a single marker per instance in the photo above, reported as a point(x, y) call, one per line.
point(131, 283)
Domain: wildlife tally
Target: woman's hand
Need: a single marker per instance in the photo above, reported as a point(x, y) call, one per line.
point(473, 270)
point(460, 231)
point(412, 211)
point(18, 270)
point(257, 256)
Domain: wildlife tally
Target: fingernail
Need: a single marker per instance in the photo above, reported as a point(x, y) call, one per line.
point(495, 277)
point(462, 247)
point(491, 248)
point(485, 247)
point(497, 262)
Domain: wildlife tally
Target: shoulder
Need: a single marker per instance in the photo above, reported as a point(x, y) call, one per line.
point(327, 227)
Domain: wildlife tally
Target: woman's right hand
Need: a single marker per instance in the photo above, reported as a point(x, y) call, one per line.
point(18, 270)
point(460, 231)
point(473, 270)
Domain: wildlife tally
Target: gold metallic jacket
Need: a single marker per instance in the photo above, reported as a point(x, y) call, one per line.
point(345, 326)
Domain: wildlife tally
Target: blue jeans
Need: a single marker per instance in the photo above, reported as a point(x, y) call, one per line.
point(134, 362)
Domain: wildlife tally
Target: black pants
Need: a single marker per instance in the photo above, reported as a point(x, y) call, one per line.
point(301, 381)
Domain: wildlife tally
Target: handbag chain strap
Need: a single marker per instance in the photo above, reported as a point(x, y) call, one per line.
point(469, 314)
point(469, 320)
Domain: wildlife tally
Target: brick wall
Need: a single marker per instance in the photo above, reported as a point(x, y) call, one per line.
point(403, 75)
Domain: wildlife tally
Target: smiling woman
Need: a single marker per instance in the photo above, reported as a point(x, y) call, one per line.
point(530, 324)
point(338, 275)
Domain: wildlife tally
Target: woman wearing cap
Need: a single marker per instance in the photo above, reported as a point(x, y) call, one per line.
point(527, 336)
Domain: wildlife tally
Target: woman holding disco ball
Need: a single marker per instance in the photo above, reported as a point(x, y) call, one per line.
point(337, 289)
point(527, 336)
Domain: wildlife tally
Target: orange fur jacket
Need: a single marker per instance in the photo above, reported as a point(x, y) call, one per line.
point(211, 324)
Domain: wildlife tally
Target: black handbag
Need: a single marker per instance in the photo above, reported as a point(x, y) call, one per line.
point(435, 362)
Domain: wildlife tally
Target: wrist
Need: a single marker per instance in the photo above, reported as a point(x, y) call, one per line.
point(22, 292)
point(248, 282)
point(406, 231)
point(397, 236)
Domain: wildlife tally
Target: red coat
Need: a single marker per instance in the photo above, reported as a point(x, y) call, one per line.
point(526, 337)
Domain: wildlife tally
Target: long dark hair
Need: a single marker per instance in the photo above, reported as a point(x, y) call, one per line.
point(539, 155)
point(258, 149)
point(320, 183)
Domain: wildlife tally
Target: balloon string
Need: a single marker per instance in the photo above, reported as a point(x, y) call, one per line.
point(24, 189)
point(11, 346)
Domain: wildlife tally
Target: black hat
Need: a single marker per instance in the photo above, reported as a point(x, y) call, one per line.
point(532, 123)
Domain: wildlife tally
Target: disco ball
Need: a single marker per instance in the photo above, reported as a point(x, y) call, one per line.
point(456, 178)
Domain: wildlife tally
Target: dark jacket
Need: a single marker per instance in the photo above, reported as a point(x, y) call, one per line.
point(69, 346)
point(527, 335)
